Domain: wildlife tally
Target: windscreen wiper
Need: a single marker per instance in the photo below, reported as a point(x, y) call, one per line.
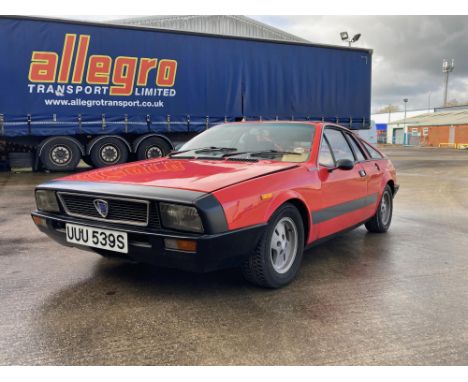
point(264, 153)
point(202, 150)
point(172, 153)
point(214, 149)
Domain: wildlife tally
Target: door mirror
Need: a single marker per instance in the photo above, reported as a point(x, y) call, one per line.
point(343, 164)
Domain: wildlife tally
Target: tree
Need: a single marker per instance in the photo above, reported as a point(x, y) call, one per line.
point(389, 109)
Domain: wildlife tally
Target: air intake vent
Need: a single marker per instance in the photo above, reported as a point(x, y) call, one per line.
point(117, 210)
point(154, 219)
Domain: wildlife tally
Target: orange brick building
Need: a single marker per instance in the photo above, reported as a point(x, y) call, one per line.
point(450, 136)
point(438, 129)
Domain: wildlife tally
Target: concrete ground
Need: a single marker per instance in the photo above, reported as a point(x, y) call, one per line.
point(398, 298)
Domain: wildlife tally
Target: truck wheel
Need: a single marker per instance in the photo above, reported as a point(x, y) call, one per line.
point(108, 151)
point(380, 222)
point(153, 147)
point(276, 260)
point(60, 154)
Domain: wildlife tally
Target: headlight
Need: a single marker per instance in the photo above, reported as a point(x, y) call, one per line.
point(47, 201)
point(180, 217)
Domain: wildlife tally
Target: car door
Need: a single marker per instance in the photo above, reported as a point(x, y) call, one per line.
point(373, 167)
point(342, 191)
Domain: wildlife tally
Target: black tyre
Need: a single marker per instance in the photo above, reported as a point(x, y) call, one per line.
point(276, 260)
point(108, 151)
point(60, 154)
point(153, 147)
point(382, 219)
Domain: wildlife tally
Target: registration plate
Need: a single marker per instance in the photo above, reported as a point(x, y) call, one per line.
point(97, 238)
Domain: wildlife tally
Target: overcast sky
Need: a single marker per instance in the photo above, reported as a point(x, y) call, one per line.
point(408, 52)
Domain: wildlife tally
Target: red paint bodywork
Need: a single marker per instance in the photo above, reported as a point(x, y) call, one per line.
point(195, 175)
point(239, 185)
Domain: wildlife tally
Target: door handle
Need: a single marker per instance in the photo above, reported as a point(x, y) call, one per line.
point(377, 165)
point(362, 173)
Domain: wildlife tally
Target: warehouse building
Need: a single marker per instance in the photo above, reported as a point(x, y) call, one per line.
point(386, 133)
point(226, 25)
point(390, 126)
point(437, 129)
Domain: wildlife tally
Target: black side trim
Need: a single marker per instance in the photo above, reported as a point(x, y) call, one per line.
point(333, 235)
point(328, 213)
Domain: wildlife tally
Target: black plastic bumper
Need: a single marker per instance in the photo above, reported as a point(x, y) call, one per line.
point(213, 252)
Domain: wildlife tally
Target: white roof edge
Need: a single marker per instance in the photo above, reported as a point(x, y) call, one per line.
point(244, 19)
point(441, 118)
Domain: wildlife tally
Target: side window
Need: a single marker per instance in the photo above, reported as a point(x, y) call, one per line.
point(339, 145)
point(372, 152)
point(357, 150)
point(325, 155)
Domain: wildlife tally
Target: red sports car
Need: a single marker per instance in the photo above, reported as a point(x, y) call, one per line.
point(248, 195)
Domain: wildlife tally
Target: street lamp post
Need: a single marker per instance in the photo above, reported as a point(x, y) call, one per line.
point(405, 141)
point(447, 68)
point(345, 37)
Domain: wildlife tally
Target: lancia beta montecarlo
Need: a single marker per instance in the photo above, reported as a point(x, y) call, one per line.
point(247, 195)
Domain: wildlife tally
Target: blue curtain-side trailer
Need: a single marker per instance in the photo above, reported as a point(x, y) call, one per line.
point(108, 94)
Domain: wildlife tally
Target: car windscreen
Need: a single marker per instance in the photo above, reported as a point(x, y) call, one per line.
point(288, 142)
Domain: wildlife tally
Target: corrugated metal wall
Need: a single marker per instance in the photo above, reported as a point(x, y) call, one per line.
point(240, 26)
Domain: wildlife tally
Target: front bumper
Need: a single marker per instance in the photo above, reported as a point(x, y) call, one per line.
point(214, 251)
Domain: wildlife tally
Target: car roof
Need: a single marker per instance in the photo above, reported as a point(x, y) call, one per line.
point(320, 124)
point(265, 122)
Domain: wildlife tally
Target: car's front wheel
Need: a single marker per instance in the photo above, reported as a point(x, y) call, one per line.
point(380, 222)
point(276, 260)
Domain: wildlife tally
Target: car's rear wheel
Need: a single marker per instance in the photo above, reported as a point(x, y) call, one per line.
point(382, 219)
point(276, 260)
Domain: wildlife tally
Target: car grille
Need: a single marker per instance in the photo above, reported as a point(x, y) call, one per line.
point(154, 220)
point(120, 210)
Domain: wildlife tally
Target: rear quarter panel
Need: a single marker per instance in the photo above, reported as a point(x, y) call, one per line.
point(388, 169)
